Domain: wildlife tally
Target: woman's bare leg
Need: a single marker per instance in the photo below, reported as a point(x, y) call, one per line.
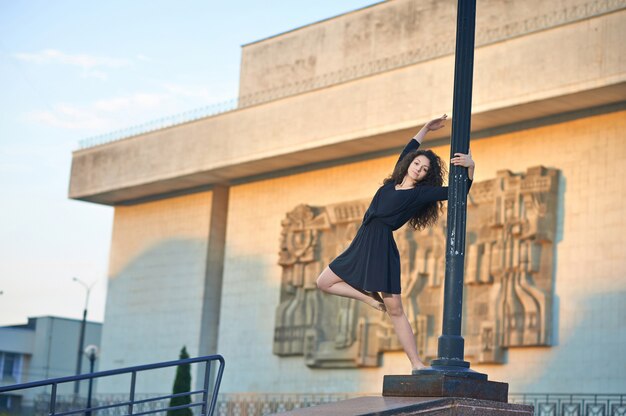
point(329, 282)
point(403, 329)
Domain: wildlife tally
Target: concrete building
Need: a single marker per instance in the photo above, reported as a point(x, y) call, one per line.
point(201, 207)
point(45, 347)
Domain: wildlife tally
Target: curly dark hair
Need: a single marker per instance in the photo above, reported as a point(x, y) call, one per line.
point(429, 214)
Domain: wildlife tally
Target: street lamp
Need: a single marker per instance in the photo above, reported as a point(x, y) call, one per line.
point(450, 375)
point(91, 352)
point(81, 339)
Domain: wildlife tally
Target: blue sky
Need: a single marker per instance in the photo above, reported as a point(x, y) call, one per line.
point(75, 69)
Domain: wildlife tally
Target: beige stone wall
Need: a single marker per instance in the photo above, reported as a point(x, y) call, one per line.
point(590, 281)
point(156, 284)
point(590, 289)
point(387, 34)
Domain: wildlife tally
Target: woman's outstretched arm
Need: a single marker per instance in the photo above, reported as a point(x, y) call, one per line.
point(440, 193)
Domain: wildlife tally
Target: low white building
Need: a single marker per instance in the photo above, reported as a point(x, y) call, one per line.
point(46, 347)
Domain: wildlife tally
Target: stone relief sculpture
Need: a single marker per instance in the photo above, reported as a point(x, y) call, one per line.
point(508, 277)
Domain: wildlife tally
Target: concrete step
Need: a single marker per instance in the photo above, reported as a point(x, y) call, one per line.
point(406, 406)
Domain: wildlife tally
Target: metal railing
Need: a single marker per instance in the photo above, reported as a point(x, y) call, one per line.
point(573, 404)
point(130, 405)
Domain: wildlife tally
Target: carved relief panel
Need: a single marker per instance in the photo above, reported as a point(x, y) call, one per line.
point(511, 226)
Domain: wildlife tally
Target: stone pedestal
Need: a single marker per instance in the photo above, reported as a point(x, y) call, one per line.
point(407, 406)
point(441, 385)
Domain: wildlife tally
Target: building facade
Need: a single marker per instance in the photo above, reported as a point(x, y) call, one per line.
point(222, 223)
point(46, 347)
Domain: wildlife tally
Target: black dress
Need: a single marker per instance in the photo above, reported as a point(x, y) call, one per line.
point(372, 261)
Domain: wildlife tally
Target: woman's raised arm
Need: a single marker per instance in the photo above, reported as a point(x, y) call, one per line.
point(416, 141)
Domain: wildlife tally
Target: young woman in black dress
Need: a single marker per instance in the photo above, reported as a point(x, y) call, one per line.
point(370, 266)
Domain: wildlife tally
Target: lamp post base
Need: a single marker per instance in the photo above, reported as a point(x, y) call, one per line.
point(438, 384)
point(451, 370)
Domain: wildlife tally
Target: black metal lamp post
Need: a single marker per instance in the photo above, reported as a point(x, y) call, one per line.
point(451, 344)
point(450, 375)
point(91, 352)
point(81, 338)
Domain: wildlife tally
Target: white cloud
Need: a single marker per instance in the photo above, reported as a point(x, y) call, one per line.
point(68, 117)
point(100, 115)
point(125, 111)
point(187, 90)
point(92, 66)
point(200, 94)
point(143, 100)
point(144, 58)
point(95, 74)
point(14, 167)
point(83, 61)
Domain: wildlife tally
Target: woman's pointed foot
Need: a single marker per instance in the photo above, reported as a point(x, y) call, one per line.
point(417, 368)
point(376, 301)
point(376, 296)
point(379, 306)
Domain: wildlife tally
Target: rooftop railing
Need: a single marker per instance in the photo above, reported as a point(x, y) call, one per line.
point(423, 52)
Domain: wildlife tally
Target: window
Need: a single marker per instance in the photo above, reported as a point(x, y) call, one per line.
point(10, 403)
point(10, 367)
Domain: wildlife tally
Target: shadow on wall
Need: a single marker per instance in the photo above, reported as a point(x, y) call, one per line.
point(250, 295)
point(560, 221)
point(153, 308)
point(590, 357)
